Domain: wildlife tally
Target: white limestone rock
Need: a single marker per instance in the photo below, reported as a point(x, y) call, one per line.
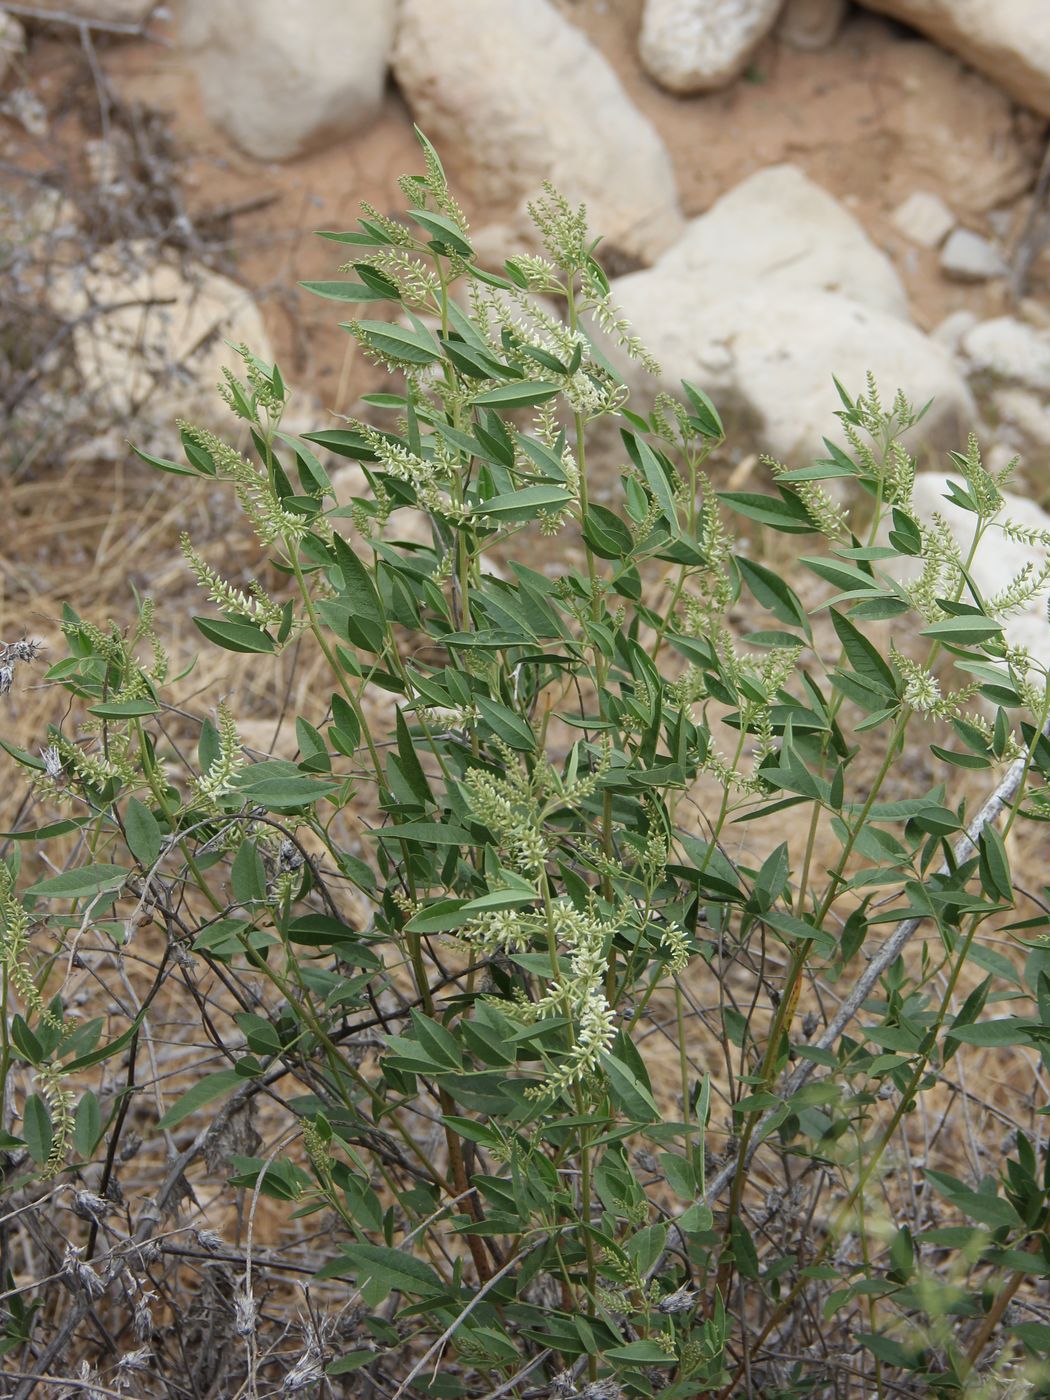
point(702, 45)
point(811, 24)
point(768, 358)
point(770, 294)
point(514, 94)
point(923, 219)
point(1007, 39)
point(283, 78)
point(778, 230)
point(1008, 349)
point(150, 334)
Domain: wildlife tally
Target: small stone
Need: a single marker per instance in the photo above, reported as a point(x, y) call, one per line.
point(702, 45)
point(24, 107)
point(952, 329)
point(924, 219)
point(811, 24)
point(12, 40)
point(967, 257)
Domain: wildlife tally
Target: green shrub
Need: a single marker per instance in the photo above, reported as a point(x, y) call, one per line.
point(603, 831)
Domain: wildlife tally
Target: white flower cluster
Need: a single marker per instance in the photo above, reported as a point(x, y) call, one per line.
point(577, 993)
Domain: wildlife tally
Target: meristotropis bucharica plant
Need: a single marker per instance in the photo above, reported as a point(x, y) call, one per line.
point(536, 963)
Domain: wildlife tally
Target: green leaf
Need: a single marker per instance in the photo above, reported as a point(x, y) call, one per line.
point(985, 1208)
point(37, 1130)
point(525, 504)
point(743, 1248)
point(392, 1269)
point(81, 882)
point(360, 592)
point(125, 709)
point(235, 636)
point(680, 1175)
point(606, 533)
point(87, 1126)
point(248, 875)
point(1035, 1335)
point(629, 1091)
point(641, 1353)
point(440, 916)
point(164, 464)
point(520, 394)
point(211, 1087)
point(397, 343)
point(840, 574)
point(105, 1052)
point(351, 1361)
point(143, 832)
point(279, 785)
point(499, 899)
point(709, 424)
point(863, 656)
point(41, 833)
point(1008, 1030)
point(431, 833)
point(994, 866)
point(652, 469)
point(773, 593)
point(961, 631)
point(438, 1043)
point(410, 764)
point(893, 1353)
point(442, 230)
point(784, 512)
point(347, 291)
point(507, 725)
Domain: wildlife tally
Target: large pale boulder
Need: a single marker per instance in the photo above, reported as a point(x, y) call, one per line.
point(514, 94)
point(767, 359)
point(281, 78)
point(701, 45)
point(1007, 39)
point(149, 335)
point(779, 231)
point(767, 296)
